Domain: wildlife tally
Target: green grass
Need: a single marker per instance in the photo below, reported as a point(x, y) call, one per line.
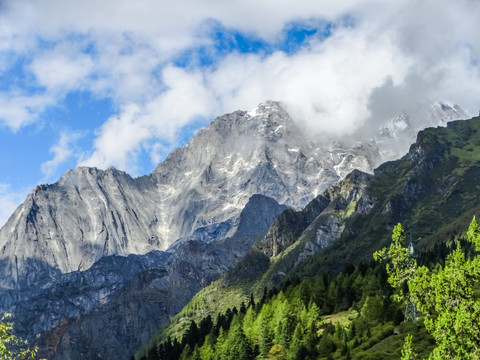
point(385, 343)
point(343, 318)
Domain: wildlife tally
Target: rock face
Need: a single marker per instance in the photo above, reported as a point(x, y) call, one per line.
point(289, 225)
point(97, 240)
point(144, 293)
point(321, 222)
point(69, 225)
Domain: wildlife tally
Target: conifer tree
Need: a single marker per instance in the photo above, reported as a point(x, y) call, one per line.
point(251, 303)
point(277, 352)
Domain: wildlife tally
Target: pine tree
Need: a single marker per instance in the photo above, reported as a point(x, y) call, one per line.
point(277, 352)
point(186, 353)
point(248, 321)
point(251, 303)
point(196, 354)
point(191, 336)
point(407, 352)
point(207, 350)
point(237, 345)
point(297, 341)
point(204, 328)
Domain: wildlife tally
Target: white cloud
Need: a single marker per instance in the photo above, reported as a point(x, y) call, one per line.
point(119, 140)
point(123, 136)
point(173, 24)
point(18, 110)
point(62, 151)
point(326, 88)
point(62, 68)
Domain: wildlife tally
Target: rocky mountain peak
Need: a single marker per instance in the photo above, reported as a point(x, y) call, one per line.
point(90, 213)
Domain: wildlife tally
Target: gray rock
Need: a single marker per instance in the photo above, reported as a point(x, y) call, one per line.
point(149, 290)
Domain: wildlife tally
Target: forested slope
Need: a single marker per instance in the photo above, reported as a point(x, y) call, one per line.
point(323, 269)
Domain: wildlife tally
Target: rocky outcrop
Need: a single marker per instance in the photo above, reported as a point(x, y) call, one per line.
point(70, 225)
point(322, 220)
point(289, 226)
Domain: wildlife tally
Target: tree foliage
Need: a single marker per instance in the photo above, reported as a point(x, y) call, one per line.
point(12, 347)
point(407, 352)
point(401, 265)
point(446, 295)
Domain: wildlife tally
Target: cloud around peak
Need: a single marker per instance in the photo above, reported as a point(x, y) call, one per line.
point(337, 66)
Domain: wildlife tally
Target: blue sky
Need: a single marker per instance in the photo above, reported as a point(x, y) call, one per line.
point(122, 83)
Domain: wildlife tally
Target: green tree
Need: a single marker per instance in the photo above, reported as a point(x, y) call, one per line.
point(196, 354)
point(12, 347)
point(401, 266)
point(407, 352)
point(372, 309)
point(297, 341)
point(221, 345)
point(237, 345)
point(248, 324)
point(277, 352)
point(446, 294)
point(186, 353)
point(207, 351)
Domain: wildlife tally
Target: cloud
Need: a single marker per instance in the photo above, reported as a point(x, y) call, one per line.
point(62, 68)
point(173, 24)
point(118, 140)
point(62, 151)
point(122, 137)
point(331, 97)
point(380, 58)
point(18, 110)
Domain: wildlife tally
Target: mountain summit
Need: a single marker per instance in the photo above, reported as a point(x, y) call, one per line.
point(91, 213)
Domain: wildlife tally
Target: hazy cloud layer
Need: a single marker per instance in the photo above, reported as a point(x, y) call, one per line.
point(379, 58)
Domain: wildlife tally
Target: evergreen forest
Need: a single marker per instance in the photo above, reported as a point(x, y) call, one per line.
point(357, 314)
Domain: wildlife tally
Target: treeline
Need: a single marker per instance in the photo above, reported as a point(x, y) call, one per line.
point(289, 323)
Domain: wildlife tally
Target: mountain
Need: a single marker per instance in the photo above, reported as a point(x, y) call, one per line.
point(90, 213)
point(77, 251)
point(143, 295)
point(432, 190)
